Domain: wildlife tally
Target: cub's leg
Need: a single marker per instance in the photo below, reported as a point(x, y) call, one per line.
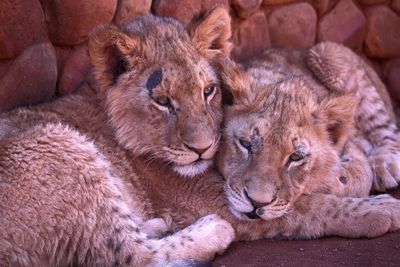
point(61, 205)
point(341, 70)
point(323, 215)
point(155, 228)
point(355, 175)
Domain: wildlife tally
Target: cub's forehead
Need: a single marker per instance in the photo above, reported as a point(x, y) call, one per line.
point(206, 71)
point(179, 80)
point(184, 66)
point(241, 125)
point(264, 123)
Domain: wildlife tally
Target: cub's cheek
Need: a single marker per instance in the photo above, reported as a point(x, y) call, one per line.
point(270, 214)
point(220, 161)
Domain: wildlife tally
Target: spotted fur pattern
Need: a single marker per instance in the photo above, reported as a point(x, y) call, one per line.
point(342, 71)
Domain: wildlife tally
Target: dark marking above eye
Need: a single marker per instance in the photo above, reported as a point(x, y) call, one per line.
point(128, 259)
point(301, 149)
point(154, 80)
point(343, 179)
point(257, 142)
point(110, 243)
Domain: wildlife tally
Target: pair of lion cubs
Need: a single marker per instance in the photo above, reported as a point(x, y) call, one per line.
point(98, 177)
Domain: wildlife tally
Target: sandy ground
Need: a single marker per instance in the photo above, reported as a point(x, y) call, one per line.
point(330, 251)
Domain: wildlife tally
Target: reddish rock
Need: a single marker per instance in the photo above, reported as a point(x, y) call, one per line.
point(376, 65)
point(392, 72)
point(183, 11)
point(130, 9)
point(345, 24)
point(209, 4)
point(21, 22)
point(323, 6)
point(276, 2)
point(69, 22)
point(74, 70)
point(62, 54)
point(373, 2)
point(31, 78)
point(383, 32)
point(395, 5)
point(244, 8)
point(251, 37)
point(293, 26)
point(4, 66)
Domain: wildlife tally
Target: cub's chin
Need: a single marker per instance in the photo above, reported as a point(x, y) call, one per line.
point(194, 168)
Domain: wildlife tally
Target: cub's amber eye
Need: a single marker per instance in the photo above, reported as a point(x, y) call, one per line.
point(162, 100)
point(246, 144)
point(296, 157)
point(209, 90)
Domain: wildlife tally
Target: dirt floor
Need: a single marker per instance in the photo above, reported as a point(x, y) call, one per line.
point(330, 251)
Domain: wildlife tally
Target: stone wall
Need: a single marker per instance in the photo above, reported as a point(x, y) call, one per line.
point(43, 51)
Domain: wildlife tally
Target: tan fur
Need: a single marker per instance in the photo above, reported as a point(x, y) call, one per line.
point(288, 139)
point(73, 172)
point(342, 71)
point(91, 179)
point(330, 68)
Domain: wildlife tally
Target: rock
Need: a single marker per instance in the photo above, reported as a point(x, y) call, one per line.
point(251, 37)
point(130, 9)
point(4, 66)
point(276, 2)
point(395, 5)
point(373, 2)
point(323, 6)
point(244, 8)
point(293, 26)
point(345, 24)
point(31, 78)
point(21, 22)
point(392, 71)
point(183, 11)
point(376, 65)
point(69, 22)
point(209, 4)
point(383, 32)
point(62, 54)
point(74, 70)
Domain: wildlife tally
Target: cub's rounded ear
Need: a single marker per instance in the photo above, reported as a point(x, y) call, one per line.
point(235, 82)
point(211, 33)
point(112, 53)
point(337, 114)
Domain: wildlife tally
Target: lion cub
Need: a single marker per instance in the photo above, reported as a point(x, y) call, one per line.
point(74, 172)
point(289, 148)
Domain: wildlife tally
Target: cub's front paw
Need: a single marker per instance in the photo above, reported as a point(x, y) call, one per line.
point(200, 241)
point(386, 169)
point(387, 210)
point(213, 234)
